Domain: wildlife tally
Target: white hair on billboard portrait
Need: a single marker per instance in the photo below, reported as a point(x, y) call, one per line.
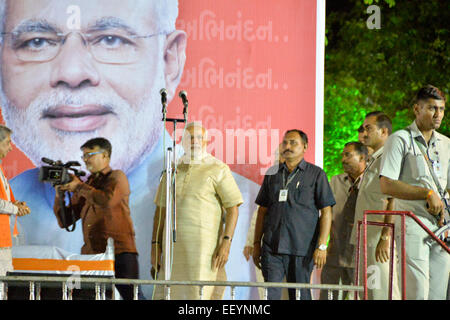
point(2, 17)
point(167, 15)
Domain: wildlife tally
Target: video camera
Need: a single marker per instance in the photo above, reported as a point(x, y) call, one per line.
point(57, 172)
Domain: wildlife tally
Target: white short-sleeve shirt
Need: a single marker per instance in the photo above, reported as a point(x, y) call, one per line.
point(403, 160)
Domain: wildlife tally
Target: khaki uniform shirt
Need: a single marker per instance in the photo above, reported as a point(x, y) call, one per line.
point(403, 160)
point(370, 197)
point(340, 185)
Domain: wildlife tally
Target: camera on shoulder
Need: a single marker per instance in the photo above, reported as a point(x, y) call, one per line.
point(57, 172)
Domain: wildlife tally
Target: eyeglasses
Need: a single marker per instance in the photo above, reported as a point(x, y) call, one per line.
point(111, 47)
point(86, 156)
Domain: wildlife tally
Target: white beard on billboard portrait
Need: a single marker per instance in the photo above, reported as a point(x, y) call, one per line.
point(138, 130)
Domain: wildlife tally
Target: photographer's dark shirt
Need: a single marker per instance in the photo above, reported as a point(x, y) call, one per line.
point(102, 205)
point(291, 227)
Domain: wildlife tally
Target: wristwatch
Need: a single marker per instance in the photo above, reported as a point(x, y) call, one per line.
point(322, 247)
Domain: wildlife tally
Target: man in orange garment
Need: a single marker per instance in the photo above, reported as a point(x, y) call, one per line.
point(8, 206)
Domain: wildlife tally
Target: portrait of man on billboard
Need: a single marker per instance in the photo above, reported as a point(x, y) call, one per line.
point(72, 71)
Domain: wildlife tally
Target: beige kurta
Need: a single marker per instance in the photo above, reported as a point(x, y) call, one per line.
point(203, 189)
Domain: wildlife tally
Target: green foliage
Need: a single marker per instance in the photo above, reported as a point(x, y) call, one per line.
point(380, 69)
point(391, 3)
point(343, 117)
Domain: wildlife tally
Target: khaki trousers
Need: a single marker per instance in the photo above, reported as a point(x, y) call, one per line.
point(378, 276)
point(427, 266)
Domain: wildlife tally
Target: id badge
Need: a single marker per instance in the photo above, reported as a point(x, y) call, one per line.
point(283, 195)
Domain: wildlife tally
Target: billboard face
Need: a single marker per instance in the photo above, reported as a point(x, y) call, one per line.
point(72, 70)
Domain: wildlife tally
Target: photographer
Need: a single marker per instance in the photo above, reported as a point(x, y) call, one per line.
point(102, 204)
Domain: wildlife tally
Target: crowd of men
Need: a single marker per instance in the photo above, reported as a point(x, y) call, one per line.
point(404, 171)
point(63, 85)
point(407, 170)
point(298, 210)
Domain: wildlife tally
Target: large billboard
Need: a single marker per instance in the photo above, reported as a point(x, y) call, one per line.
point(77, 69)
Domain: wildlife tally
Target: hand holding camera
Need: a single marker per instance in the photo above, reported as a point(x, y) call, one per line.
point(71, 186)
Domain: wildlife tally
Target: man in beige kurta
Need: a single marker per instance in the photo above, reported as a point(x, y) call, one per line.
point(204, 187)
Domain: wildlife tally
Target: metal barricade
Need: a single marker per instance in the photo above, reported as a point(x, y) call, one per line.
point(101, 283)
point(365, 223)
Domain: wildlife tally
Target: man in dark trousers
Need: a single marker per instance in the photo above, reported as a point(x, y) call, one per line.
point(102, 204)
point(294, 237)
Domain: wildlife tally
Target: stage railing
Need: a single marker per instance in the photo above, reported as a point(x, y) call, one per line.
point(101, 283)
point(365, 223)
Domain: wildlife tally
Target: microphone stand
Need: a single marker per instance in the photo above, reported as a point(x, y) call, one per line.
point(171, 203)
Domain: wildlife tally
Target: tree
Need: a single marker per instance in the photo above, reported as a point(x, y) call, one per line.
point(380, 69)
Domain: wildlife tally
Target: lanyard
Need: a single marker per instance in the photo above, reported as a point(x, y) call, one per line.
point(290, 178)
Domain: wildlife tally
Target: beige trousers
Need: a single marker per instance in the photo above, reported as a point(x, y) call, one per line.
point(378, 277)
point(427, 266)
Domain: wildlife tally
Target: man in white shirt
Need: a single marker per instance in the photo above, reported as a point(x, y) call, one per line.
point(406, 176)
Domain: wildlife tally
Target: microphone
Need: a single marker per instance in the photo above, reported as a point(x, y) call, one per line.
point(163, 93)
point(183, 96)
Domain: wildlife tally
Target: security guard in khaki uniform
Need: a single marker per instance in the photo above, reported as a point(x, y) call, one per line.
point(376, 130)
point(411, 158)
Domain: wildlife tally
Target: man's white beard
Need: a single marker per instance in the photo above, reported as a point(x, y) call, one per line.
point(193, 156)
point(137, 133)
point(196, 153)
